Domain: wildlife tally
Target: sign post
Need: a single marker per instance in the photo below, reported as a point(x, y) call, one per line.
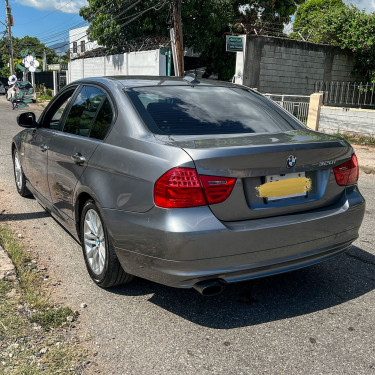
point(234, 44)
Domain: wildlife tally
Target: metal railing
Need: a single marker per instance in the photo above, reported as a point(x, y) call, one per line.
point(297, 105)
point(347, 94)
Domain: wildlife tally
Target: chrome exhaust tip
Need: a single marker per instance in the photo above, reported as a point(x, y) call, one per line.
point(209, 288)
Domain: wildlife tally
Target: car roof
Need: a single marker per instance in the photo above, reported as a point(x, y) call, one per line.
point(146, 81)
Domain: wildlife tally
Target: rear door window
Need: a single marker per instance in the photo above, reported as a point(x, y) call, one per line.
point(103, 121)
point(196, 110)
point(83, 111)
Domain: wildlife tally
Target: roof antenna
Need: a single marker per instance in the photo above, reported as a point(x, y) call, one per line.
point(191, 80)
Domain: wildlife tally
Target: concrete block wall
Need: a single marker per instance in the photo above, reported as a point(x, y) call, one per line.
point(341, 120)
point(75, 70)
point(283, 66)
point(94, 67)
point(341, 68)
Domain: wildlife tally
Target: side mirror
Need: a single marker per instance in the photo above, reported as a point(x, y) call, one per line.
point(27, 120)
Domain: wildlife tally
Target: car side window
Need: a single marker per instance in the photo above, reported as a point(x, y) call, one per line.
point(53, 117)
point(83, 111)
point(103, 121)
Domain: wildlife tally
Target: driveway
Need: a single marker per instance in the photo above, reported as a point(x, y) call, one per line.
point(319, 320)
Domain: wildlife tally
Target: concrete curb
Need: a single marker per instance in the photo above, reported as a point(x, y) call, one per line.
point(7, 268)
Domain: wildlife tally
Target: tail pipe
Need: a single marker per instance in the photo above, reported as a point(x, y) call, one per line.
point(209, 287)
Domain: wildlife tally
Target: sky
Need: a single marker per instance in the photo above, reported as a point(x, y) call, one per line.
point(50, 20)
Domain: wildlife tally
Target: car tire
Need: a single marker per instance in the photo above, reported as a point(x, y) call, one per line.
point(19, 176)
point(101, 261)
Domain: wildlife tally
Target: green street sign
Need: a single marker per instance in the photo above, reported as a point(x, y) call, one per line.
point(234, 44)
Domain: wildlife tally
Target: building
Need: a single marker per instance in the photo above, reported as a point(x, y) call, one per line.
point(79, 42)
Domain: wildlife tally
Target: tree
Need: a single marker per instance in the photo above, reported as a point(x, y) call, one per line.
point(205, 22)
point(344, 26)
point(277, 12)
point(19, 44)
point(303, 24)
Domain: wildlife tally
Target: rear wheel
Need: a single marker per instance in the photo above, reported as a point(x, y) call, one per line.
point(19, 176)
point(100, 257)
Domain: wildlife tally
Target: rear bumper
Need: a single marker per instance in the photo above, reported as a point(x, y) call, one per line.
point(182, 247)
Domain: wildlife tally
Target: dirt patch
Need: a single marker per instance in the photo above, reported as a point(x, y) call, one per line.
point(38, 332)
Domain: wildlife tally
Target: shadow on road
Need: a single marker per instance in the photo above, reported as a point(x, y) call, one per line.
point(344, 278)
point(23, 216)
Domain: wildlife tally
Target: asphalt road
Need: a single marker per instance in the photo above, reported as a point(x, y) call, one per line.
point(319, 320)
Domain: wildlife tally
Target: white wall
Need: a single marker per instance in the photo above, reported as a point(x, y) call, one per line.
point(341, 120)
point(93, 67)
point(149, 63)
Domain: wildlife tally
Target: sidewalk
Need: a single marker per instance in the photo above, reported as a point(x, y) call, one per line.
point(366, 158)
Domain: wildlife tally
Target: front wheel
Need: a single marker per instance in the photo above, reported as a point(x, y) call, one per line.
point(100, 257)
point(19, 176)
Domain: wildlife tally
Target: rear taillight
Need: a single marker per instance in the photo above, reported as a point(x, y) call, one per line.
point(347, 173)
point(217, 189)
point(183, 187)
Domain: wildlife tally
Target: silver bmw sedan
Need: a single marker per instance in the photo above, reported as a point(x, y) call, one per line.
point(187, 183)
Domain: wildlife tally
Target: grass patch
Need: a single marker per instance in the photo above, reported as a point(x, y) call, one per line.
point(35, 336)
point(43, 97)
point(5, 287)
point(357, 140)
point(53, 318)
point(30, 281)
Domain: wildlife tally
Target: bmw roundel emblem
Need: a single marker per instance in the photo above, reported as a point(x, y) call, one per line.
point(291, 161)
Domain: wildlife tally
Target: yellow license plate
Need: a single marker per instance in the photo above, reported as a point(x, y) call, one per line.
point(290, 185)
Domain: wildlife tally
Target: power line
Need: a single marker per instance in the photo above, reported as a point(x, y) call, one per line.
point(134, 17)
point(54, 34)
point(62, 34)
point(108, 21)
point(62, 30)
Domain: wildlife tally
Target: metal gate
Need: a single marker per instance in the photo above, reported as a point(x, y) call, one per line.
point(347, 94)
point(297, 105)
point(61, 79)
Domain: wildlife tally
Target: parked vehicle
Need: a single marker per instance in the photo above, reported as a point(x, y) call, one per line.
point(187, 183)
point(28, 91)
point(3, 90)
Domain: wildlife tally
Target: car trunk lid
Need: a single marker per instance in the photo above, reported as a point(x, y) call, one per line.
point(258, 159)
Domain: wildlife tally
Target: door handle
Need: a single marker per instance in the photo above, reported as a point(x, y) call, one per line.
point(78, 158)
point(44, 148)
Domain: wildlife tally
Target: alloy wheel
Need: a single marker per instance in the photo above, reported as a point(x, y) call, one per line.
point(17, 171)
point(94, 241)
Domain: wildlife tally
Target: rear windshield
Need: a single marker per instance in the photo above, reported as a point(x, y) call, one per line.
point(195, 110)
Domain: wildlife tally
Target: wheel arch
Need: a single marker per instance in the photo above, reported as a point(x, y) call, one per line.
point(81, 199)
point(82, 195)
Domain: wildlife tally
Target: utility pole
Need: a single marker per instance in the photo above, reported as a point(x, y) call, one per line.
point(44, 61)
point(9, 19)
point(178, 37)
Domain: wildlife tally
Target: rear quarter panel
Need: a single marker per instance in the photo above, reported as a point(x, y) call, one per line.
point(123, 177)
